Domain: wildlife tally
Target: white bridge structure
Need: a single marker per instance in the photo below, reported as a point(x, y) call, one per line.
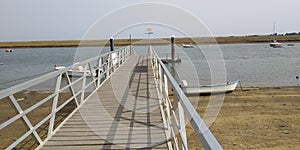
point(128, 105)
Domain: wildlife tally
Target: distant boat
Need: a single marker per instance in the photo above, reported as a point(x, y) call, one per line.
point(290, 44)
point(187, 45)
point(274, 42)
point(78, 71)
point(8, 50)
point(209, 89)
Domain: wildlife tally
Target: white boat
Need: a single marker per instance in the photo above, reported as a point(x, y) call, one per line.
point(187, 45)
point(209, 89)
point(275, 44)
point(76, 72)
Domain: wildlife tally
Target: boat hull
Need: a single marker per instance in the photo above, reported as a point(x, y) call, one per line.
point(211, 89)
point(187, 46)
point(276, 45)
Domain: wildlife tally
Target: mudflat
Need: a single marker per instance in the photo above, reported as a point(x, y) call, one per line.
point(252, 118)
point(27, 99)
point(256, 118)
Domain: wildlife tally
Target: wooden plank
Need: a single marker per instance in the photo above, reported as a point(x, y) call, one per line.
point(123, 113)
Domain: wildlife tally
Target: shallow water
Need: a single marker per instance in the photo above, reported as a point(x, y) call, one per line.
point(253, 64)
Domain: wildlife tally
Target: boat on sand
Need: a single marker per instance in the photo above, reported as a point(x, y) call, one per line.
point(77, 72)
point(209, 89)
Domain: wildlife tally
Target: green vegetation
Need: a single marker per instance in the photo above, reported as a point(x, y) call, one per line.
point(123, 42)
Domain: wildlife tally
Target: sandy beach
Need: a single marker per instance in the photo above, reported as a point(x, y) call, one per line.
point(252, 118)
point(257, 118)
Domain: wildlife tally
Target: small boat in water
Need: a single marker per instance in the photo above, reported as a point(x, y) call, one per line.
point(8, 50)
point(290, 44)
point(187, 45)
point(209, 89)
point(275, 44)
point(77, 72)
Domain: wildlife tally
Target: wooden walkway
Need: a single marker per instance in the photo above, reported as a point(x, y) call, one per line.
point(123, 114)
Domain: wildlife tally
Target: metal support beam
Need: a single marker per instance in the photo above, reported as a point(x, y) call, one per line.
point(112, 44)
point(54, 105)
point(24, 118)
point(83, 84)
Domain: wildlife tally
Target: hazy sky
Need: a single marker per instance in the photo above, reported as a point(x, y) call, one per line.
point(71, 19)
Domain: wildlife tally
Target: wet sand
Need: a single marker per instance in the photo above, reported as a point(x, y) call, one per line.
point(252, 118)
point(257, 118)
point(27, 99)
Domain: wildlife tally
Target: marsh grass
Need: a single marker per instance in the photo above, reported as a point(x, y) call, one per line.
point(158, 41)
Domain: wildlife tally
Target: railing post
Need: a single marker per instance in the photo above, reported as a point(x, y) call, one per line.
point(124, 55)
point(54, 105)
point(108, 65)
point(160, 78)
point(119, 57)
point(182, 126)
point(92, 70)
point(99, 71)
point(130, 51)
point(83, 84)
point(167, 106)
point(157, 68)
point(127, 53)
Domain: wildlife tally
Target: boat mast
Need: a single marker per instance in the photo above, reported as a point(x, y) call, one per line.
point(274, 31)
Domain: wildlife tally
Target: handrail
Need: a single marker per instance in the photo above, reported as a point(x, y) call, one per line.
point(105, 67)
point(185, 108)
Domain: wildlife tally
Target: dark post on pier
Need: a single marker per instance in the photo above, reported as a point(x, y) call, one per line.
point(173, 53)
point(111, 41)
point(174, 58)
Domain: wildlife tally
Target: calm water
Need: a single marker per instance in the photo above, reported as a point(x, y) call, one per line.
point(253, 64)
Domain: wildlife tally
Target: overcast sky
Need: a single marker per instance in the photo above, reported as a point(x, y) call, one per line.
point(73, 19)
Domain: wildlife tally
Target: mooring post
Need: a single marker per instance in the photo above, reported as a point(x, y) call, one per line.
point(112, 45)
point(173, 53)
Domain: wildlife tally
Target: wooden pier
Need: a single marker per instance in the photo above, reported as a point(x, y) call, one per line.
point(124, 113)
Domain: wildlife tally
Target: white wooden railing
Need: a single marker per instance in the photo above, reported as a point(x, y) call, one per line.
point(104, 65)
point(175, 120)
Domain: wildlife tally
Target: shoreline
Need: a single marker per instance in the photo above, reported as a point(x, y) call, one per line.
point(157, 41)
